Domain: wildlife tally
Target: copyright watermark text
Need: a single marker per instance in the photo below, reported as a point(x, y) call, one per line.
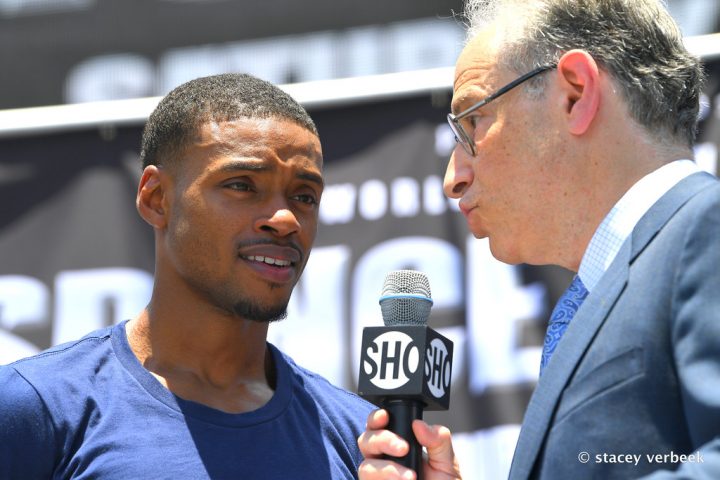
point(636, 458)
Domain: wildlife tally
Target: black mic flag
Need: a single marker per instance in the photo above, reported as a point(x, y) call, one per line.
point(406, 366)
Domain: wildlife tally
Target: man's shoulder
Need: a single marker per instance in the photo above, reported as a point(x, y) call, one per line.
point(47, 384)
point(61, 368)
point(335, 398)
point(64, 357)
point(700, 208)
point(693, 203)
point(702, 188)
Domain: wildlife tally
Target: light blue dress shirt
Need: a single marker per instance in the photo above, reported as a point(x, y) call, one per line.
point(619, 223)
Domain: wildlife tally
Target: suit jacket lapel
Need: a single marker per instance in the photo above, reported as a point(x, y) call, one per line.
point(588, 320)
point(578, 336)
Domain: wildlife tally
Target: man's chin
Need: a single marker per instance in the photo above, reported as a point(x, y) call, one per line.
point(260, 313)
point(505, 253)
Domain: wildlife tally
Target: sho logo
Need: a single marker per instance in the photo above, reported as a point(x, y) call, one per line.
point(438, 368)
point(391, 360)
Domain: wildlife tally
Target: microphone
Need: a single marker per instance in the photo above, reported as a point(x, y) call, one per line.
point(406, 366)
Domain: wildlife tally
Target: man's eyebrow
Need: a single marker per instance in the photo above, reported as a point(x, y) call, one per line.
point(251, 166)
point(459, 104)
point(246, 165)
point(312, 177)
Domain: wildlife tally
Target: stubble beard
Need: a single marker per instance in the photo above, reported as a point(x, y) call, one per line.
point(216, 292)
point(254, 311)
point(245, 307)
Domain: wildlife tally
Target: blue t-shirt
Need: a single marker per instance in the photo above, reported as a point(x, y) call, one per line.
point(88, 409)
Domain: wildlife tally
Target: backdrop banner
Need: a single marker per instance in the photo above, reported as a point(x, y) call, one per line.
point(109, 49)
point(75, 256)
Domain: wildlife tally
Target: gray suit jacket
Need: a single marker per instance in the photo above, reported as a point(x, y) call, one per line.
point(638, 370)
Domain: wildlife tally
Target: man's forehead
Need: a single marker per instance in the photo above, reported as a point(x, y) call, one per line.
point(258, 138)
point(477, 74)
point(255, 129)
point(261, 124)
point(477, 59)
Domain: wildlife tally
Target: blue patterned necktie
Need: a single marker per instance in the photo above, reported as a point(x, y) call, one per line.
point(563, 312)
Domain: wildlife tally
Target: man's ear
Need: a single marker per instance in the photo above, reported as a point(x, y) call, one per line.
point(580, 80)
point(151, 199)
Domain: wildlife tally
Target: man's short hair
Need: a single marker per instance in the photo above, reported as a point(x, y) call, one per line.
point(636, 41)
point(218, 98)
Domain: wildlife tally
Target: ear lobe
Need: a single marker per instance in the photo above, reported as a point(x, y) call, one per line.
point(580, 77)
point(150, 199)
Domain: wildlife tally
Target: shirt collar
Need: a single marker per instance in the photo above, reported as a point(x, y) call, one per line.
point(619, 223)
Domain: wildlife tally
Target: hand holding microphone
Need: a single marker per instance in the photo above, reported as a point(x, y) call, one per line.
point(405, 368)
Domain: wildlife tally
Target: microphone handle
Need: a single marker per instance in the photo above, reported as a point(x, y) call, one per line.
point(402, 412)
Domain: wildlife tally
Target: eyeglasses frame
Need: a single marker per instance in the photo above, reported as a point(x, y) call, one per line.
point(461, 136)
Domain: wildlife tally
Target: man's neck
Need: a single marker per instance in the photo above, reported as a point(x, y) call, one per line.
point(208, 357)
point(612, 166)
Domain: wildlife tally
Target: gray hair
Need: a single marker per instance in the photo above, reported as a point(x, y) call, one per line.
point(636, 41)
point(218, 98)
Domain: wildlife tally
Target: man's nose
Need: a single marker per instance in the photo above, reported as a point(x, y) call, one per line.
point(280, 220)
point(459, 174)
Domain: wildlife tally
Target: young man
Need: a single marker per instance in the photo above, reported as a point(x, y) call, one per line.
point(587, 165)
point(190, 388)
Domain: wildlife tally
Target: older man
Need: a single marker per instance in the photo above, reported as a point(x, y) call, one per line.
point(575, 122)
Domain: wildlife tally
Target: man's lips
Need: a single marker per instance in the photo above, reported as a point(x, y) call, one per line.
point(275, 255)
point(269, 260)
point(465, 208)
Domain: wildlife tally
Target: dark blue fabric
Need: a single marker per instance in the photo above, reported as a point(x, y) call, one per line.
point(88, 409)
point(563, 312)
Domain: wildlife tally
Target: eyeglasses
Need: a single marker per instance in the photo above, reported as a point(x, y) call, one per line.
point(461, 134)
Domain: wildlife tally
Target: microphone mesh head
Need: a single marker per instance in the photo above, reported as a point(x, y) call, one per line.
point(405, 298)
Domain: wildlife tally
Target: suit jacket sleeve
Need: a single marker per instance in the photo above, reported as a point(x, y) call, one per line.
point(696, 344)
